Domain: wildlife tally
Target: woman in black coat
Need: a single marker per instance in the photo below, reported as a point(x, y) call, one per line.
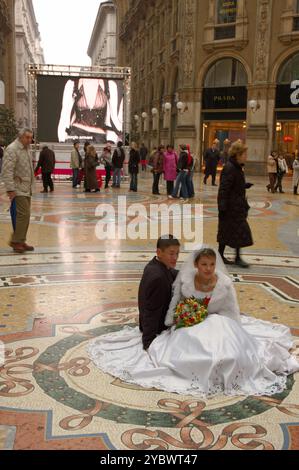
point(233, 228)
point(134, 161)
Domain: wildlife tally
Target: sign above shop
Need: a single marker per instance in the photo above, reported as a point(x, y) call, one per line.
point(287, 96)
point(225, 98)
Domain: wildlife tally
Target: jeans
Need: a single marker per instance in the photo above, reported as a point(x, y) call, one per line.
point(108, 175)
point(190, 185)
point(156, 179)
point(278, 182)
point(133, 183)
point(116, 177)
point(181, 182)
point(75, 177)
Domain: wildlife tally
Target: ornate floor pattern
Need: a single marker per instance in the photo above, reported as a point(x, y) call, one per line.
point(74, 288)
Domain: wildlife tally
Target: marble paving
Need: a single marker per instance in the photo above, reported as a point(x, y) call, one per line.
point(75, 287)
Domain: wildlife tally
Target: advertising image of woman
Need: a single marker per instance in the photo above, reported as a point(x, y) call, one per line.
point(91, 107)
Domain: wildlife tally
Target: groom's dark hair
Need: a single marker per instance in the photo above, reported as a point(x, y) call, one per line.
point(166, 241)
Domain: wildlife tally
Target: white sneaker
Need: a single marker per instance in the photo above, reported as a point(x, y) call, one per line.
point(78, 186)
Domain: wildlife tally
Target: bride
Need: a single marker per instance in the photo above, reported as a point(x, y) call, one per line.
point(227, 353)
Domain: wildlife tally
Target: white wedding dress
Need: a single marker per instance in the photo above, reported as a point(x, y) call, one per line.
point(227, 353)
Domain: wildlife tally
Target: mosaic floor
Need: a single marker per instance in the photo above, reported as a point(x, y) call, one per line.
point(75, 287)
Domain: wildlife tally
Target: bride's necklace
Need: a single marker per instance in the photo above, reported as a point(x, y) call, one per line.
point(206, 287)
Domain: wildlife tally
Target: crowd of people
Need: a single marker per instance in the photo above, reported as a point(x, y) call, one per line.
point(18, 176)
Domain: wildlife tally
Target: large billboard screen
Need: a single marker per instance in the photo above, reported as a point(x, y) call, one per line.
point(79, 108)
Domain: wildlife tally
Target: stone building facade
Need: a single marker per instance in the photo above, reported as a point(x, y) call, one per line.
point(28, 51)
point(206, 69)
point(7, 55)
point(102, 46)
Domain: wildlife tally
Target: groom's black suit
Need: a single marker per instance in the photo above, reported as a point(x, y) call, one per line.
point(154, 296)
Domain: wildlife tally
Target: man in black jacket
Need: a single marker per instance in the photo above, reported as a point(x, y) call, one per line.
point(155, 289)
point(211, 158)
point(47, 164)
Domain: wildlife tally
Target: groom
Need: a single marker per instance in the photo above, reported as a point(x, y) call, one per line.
point(155, 289)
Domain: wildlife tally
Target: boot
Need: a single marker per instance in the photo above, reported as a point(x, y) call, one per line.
point(295, 190)
point(240, 262)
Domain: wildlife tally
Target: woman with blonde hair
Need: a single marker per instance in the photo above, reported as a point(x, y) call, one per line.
point(233, 228)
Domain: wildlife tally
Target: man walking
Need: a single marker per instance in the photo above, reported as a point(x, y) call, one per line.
point(211, 158)
point(18, 178)
point(47, 164)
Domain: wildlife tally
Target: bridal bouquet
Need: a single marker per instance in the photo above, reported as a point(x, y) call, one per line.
point(191, 311)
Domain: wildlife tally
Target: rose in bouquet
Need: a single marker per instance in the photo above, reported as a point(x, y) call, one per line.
point(191, 311)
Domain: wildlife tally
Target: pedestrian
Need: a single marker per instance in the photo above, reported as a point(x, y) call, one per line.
point(181, 180)
point(170, 163)
point(46, 162)
point(190, 174)
point(282, 169)
point(118, 159)
point(134, 161)
point(76, 164)
point(272, 171)
point(106, 160)
point(233, 228)
point(18, 179)
point(156, 161)
point(296, 174)
point(143, 151)
point(211, 158)
point(90, 164)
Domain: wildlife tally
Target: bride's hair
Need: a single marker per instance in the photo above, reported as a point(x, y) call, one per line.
point(204, 252)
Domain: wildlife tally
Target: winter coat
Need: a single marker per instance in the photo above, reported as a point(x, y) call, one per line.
point(76, 159)
point(90, 164)
point(170, 166)
point(118, 157)
point(154, 296)
point(17, 170)
point(134, 161)
point(211, 158)
point(271, 165)
point(106, 158)
point(183, 161)
point(233, 228)
point(296, 172)
point(157, 160)
point(46, 161)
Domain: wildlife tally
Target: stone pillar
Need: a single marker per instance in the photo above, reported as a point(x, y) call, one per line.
point(186, 130)
point(258, 119)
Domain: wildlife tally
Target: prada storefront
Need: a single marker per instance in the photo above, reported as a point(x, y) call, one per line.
point(287, 108)
point(224, 103)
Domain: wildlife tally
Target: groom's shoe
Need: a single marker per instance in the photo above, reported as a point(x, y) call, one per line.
point(227, 261)
point(240, 262)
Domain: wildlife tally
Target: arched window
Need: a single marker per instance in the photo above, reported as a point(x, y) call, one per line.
point(226, 73)
point(289, 71)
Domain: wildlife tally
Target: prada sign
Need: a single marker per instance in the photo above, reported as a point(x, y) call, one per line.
point(225, 98)
point(287, 96)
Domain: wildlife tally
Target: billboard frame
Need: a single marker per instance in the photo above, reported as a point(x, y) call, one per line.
point(94, 71)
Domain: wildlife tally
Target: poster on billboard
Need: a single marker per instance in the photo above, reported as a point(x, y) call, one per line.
point(79, 109)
